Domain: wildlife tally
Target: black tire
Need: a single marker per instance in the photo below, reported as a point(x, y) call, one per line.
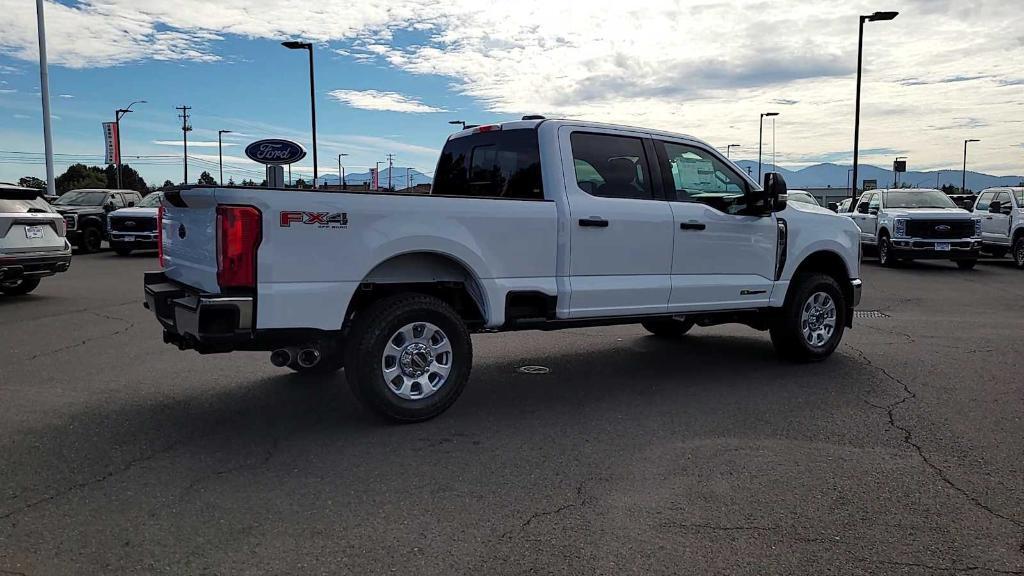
point(668, 327)
point(966, 264)
point(373, 330)
point(121, 249)
point(885, 257)
point(91, 241)
point(787, 329)
point(19, 287)
point(1018, 252)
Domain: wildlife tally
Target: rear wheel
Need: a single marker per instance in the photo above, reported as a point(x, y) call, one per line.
point(408, 357)
point(966, 264)
point(668, 327)
point(1018, 252)
point(19, 287)
point(121, 248)
point(92, 240)
point(812, 321)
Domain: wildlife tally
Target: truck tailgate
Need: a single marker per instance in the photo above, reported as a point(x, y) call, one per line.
point(189, 233)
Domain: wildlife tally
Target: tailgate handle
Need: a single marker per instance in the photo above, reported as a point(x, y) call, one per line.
point(594, 222)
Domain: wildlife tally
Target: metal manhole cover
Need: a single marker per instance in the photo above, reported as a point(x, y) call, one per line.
point(869, 314)
point(533, 370)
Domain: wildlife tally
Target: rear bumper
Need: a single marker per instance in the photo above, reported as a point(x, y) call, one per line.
point(195, 320)
point(961, 249)
point(34, 264)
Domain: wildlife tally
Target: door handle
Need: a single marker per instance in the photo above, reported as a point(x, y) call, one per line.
point(988, 217)
point(692, 226)
point(594, 222)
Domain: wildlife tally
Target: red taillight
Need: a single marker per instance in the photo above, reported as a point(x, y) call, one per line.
point(239, 231)
point(160, 235)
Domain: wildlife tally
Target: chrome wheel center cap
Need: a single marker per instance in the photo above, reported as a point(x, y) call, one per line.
point(416, 359)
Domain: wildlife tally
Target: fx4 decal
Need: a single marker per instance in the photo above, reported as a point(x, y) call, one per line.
point(318, 219)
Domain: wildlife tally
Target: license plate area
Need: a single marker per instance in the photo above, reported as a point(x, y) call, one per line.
point(128, 238)
point(942, 246)
point(33, 232)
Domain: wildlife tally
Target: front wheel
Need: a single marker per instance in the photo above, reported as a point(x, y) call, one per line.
point(966, 264)
point(92, 240)
point(885, 257)
point(812, 322)
point(408, 357)
point(19, 287)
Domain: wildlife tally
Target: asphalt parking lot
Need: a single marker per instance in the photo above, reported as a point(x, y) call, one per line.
point(902, 454)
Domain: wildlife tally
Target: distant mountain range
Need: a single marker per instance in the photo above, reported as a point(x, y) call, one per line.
point(836, 176)
point(398, 177)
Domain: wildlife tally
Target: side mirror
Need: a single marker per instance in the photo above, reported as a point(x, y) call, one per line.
point(873, 211)
point(109, 206)
point(996, 207)
point(776, 191)
point(833, 206)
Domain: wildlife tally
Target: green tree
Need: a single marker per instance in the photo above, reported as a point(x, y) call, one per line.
point(231, 181)
point(206, 180)
point(300, 183)
point(32, 182)
point(130, 179)
point(79, 176)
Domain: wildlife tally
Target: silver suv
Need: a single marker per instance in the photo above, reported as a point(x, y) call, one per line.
point(33, 241)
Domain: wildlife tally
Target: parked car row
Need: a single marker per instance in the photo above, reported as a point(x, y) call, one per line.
point(915, 224)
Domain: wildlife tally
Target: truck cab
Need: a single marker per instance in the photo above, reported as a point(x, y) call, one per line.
point(1001, 213)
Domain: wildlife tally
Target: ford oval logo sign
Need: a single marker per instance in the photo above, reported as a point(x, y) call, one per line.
point(943, 228)
point(275, 151)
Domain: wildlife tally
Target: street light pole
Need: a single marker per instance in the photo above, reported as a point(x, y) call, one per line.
point(963, 181)
point(877, 16)
point(760, 139)
point(730, 147)
point(118, 114)
point(292, 45)
point(341, 171)
point(220, 153)
point(44, 92)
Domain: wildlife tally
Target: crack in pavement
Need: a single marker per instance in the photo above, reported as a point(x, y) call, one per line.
point(581, 500)
point(128, 326)
point(908, 337)
point(98, 480)
point(908, 438)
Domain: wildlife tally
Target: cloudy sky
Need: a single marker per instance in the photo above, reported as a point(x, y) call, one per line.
point(391, 73)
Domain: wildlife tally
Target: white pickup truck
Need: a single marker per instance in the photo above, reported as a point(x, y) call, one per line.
point(1001, 213)
point(533, 224)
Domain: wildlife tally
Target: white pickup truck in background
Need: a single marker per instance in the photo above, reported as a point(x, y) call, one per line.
point(1001, 213)
point(534, 224)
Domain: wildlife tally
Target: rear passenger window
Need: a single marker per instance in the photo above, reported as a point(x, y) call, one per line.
point(611, 166)
point(497, 164)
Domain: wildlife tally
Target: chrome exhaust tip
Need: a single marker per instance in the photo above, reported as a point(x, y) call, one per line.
point(281, 357)
point(308, 357)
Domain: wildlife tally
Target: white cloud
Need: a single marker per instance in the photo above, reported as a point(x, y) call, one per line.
point(384, 101)
point(7, 90)
point(21, 116)
point(192, 144)
point(66, 96)
point(8, 70)
point(705, 67)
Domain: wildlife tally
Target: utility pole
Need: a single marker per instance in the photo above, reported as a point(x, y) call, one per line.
point(220, 152)
point(44, 90)
point(341, 171)
point(185, 129)
point(391, 163)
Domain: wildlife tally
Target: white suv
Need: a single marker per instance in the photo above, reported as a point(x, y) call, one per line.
point(1001, 213)
point(909, 224)
point(32, 240)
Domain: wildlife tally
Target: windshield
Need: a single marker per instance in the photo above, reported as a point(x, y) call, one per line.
point(802, 197)
point(917, 199)
point(81, 198)
point(151, 201)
